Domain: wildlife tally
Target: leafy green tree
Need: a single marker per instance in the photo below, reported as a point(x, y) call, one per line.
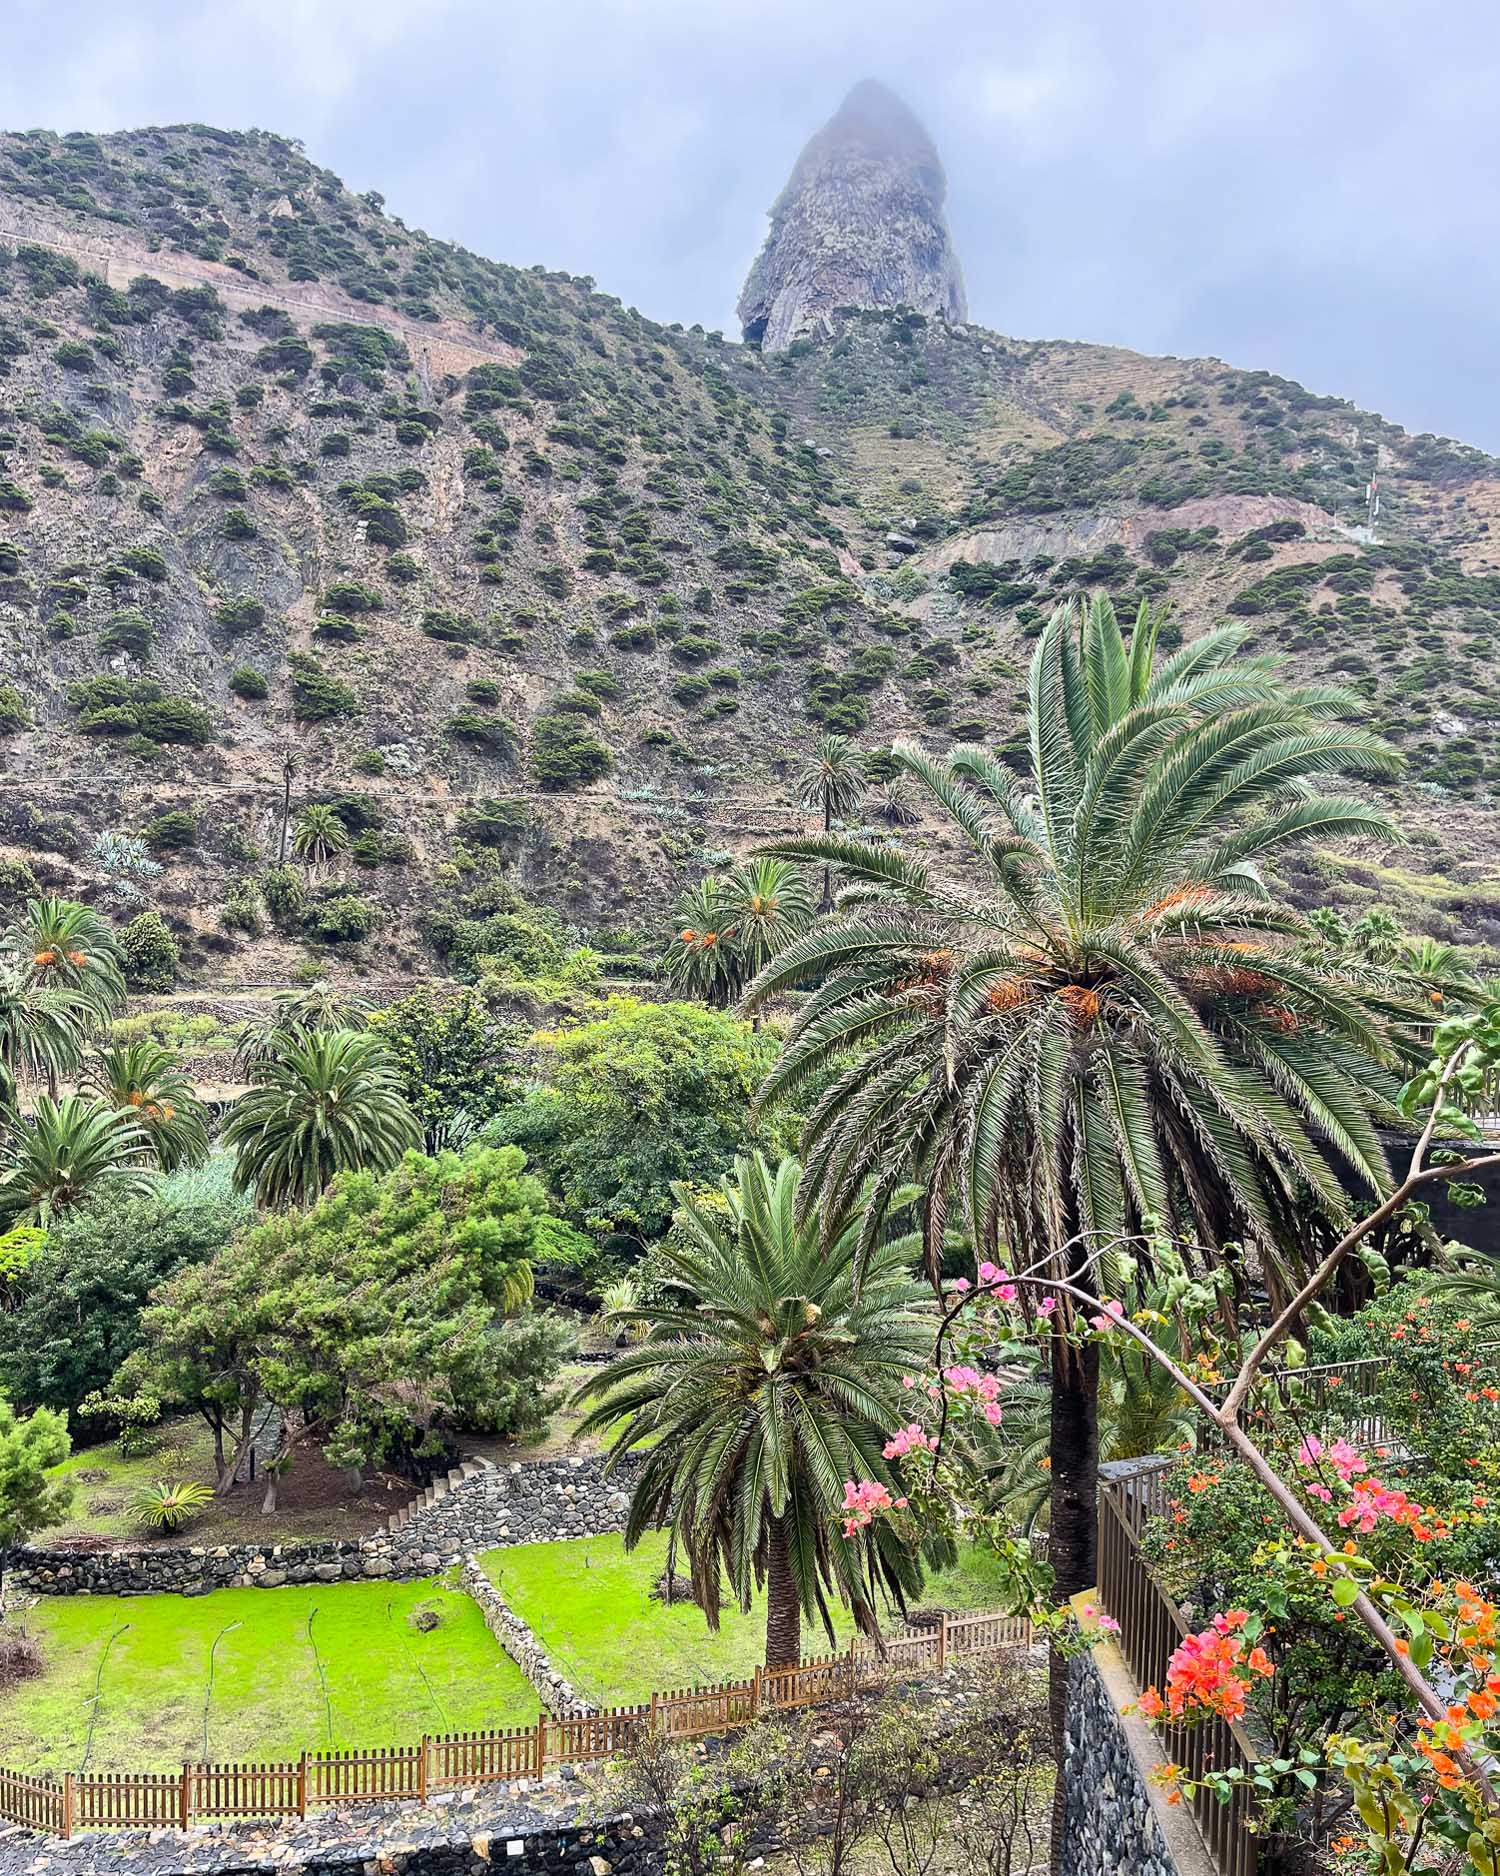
point(768, 1377)
point(67, 1151)
point(641, 1095)
point(148, 953)
point(79, 1298)
point(326, 1102)
point(455, 1060)
point(144, 1080)
point(1105, 1025)
point(29, 1499)
point(383, 1314)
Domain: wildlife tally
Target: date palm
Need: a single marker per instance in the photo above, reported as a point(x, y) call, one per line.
point(295, 1013)
point(833, 783)
point(69, 946)
point(1102, 1021)
point(729, 926)
point(42, 1027)
point(318, 835)
point(68, 1151)
point(144, 1079)
point(324, 1102)
point(767, 1378)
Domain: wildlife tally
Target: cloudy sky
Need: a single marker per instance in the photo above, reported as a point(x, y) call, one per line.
point(1306, 187)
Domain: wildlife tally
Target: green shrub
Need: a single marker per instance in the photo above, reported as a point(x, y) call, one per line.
point(148, 953)
point(17, 884)
point(175, 720)
point(13, 712)
point(492, 733)
point(127, 631)
point(285, 898)
point(13, 497)
point(334, 626)
point(351, 596)
point(491, 823)
point(449, 628)
point(228, 484)
point(148, 562)
point(243, 909)
point(11, 556)
point(403, 568)
point(564, 754)
point(74, 357)
point(241, 614)
point(340, 917)
point(370, 762)
point(172, 831)
point(318, 696)
point(238, 526)
point(245, 681)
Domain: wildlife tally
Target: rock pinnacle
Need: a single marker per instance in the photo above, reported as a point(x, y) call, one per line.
point(859, 223)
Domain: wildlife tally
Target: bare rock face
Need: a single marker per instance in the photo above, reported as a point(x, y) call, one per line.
point(860, 223)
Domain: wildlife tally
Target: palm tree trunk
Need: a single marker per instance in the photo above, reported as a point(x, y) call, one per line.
point(783, 1604)
point(1074, 1522)
point(826, 901)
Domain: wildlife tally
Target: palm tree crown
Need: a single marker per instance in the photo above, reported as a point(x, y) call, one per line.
point(1104, 1019)
point(68, 1151)
point(145, 1080)
point(833, 782)
point(319, 834)
point(768, 1378)
point(729, 926)
point(323, 1103)
point(65, 945)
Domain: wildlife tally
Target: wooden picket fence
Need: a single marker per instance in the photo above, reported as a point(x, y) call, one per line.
point(458, 1761)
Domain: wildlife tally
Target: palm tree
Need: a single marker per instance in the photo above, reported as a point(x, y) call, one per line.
point(767, 1378)
point(68, 1151)
point(42, 1027)
point(144, 1079)
point(319, 835)
point(833, 783)
point(317, 1006)
point(1103, 1021)
point(69, 946)
point(729, 926)
point(324, 1102)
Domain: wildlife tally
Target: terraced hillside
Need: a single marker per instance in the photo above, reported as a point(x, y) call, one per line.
point(299, 503)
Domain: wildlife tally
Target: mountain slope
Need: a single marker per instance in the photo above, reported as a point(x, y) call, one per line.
point(527, 579)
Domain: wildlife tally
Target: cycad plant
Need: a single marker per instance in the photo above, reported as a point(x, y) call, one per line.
point(324, 1102)
point(1100, 1020)
point(145, 1079)
point(67, 1151)
point(767, 1378)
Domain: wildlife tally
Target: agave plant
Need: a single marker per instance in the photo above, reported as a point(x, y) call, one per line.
point(168, 1504)
point(68, 1151)
point(145, 1079)
point(325, 1102)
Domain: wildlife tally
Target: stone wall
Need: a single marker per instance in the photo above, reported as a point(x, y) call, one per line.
point(1115, 1819)
point(480, 1507)
point(558, 1695)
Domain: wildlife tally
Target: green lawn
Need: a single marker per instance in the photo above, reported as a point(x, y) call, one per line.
point(328, 1665)
point(589, 1603)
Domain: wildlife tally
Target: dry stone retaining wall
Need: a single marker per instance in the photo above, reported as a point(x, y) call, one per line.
point(480, 1507)
point(557, 1694)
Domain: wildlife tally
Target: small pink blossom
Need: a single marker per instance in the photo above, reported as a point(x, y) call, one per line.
point(988, 1273)
point(908, 1439)
point(992, 1413)
point(961, 1285)
point(1109, 1625)
point(1046, 1306)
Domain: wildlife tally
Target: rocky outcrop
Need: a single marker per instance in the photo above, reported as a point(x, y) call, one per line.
point(860, 223)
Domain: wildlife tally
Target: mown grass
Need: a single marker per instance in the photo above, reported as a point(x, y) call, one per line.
point(144, 1682)
point(590, 1604)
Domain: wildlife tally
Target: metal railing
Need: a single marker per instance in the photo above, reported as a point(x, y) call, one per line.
point(1151, 1626)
